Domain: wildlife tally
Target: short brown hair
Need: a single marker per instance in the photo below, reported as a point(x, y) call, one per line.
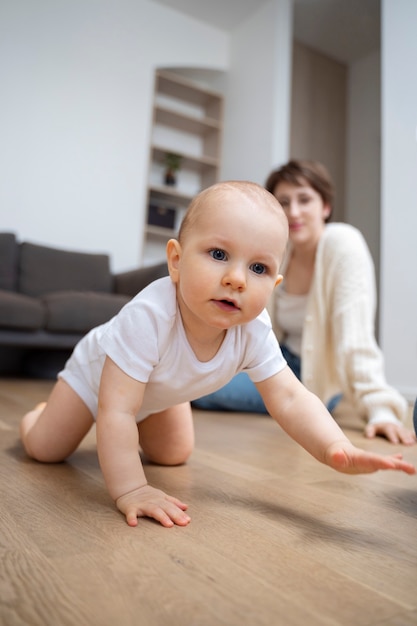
point(298, 172)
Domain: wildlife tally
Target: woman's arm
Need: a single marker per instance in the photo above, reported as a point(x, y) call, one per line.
point(345, 285)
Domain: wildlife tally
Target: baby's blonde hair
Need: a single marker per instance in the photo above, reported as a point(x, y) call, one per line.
point(260, 197)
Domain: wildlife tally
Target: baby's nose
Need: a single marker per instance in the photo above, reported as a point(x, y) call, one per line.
point(236, 277)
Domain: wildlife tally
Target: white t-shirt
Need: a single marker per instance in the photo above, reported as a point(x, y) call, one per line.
point(290, 315)
point(146, 339)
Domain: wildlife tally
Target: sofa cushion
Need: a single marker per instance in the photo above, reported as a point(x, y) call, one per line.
point(131, 282)
point(20, 312)
point(8, 261)
point(44, 270)
point(72, 311)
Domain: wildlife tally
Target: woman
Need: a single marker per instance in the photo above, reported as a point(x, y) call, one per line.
point(323, 312)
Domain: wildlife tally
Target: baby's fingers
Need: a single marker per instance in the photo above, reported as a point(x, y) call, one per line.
point(357, 461)
point(396, 462)
point(166, 513)
point(146, 501)
point(169, 516)
point(132, 518)
point(399, 464)
point(181, 505)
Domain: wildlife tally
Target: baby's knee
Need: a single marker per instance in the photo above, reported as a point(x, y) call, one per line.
point(25, 428)
point(33, 446)
point(169, 456)
point(37, 451)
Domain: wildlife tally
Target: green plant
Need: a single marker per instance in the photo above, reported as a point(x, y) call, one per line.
point(172, 165)
point(173, 161)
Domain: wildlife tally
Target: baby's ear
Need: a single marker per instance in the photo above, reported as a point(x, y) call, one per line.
point(173, 252)
point(279, 280)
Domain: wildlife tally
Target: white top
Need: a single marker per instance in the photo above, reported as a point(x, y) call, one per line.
point(147, 341)
point(339, 352)
point(290, 315)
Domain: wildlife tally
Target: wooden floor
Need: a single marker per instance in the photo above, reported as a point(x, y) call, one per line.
point(275, 538)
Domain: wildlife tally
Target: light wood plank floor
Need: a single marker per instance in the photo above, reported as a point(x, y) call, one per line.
point(275, 538)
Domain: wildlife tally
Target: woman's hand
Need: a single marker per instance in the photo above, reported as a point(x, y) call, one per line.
point(345, 457)
point(396, 433)
point(147, 501)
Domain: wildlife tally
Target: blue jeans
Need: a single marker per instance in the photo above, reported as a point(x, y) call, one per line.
point(240, 394)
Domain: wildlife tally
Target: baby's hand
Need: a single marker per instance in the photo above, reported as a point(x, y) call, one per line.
point(345, 457)
point(150, 502)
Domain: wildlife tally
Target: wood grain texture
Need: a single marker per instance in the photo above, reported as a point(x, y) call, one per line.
point(275, 538)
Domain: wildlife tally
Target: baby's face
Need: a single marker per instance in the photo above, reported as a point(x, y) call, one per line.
point(230, 260)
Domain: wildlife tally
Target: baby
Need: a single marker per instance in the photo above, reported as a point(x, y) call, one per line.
point(180, 338)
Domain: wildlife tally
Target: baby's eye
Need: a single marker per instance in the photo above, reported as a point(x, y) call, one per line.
point(258, 268)
point(218, 255)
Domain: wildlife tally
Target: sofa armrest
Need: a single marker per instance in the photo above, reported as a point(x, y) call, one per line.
point(131, 282)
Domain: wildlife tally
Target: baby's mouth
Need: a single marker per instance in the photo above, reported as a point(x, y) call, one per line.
point(227, 305)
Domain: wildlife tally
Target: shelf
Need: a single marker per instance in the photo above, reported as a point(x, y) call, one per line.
point(170, 195)
point(185, 123)
point(189, 162)
point(180, 88)
point(187, 120)
point(159, 231)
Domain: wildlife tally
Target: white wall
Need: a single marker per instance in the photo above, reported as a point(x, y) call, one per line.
point(399, 183)
point(76, 82)
point(363, 200)
point(257, 112)
point(319, 115)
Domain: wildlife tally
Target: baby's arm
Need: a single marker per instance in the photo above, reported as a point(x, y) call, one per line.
point(120, 398)
point(305, 418)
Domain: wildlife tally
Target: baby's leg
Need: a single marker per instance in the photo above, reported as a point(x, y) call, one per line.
point(53, 430)
point(167, 438)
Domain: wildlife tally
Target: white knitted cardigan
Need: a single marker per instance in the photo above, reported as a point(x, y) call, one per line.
point(339, 353)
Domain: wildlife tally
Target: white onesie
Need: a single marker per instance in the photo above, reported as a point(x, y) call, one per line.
point(146, 339)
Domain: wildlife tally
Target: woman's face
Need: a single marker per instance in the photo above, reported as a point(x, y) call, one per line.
point(305, 211)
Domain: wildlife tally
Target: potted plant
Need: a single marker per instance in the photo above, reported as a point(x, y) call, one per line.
point(172, 165)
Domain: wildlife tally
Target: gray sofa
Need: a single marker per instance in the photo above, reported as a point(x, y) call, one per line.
point(50, 298)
